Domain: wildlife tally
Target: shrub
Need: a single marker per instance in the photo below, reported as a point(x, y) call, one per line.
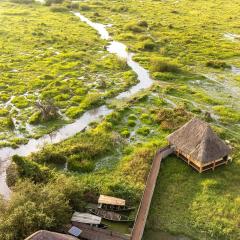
point(3, 112)
point(74, 112)
point(50, 2)
point(131, 123)
point(20, 102)
point(134, 27)
point(75, 163)
point(56, 8)
point(12, 174)
point(143, 131)
point(217, 64)
point(35, 118)
point(125, 133)
point(160, 66)
point(172, 119)
point(143, 23)
point(148, 45)
point(7, 123)
point(33, 207)
point(23, 1)
point(132, 117)
point(29, 169)
point(85, 8)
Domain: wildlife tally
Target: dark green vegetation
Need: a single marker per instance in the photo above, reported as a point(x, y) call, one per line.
point(184, 46)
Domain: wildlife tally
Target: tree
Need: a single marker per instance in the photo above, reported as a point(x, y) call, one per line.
point(33, 207)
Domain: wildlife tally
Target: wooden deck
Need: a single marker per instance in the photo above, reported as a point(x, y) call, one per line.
point(143, 210)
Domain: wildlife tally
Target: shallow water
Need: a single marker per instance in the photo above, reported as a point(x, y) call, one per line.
point(81, 123)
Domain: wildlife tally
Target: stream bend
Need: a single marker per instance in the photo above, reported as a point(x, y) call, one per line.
point(70, 130)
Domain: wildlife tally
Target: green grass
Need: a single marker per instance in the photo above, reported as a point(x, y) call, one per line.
point(201, 206)
point(178, 43)
point(43, 58)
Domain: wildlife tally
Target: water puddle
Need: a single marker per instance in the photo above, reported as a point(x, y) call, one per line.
point(235, 70)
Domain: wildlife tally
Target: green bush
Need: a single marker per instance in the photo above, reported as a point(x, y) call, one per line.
point(29, 169)
point(56, 8)
point(20, 102)
point(143, 23)
point(125, 133)
point(36, 206)
point(131, 123)
point(134, 27)
point(143, 131)
point(159, 66)
point(217, 64)
point(50, 2)
point(3, 112)
point(75, 163)
point(148, 45)
point(23, 1)
point(35, 118)
point(85, 8)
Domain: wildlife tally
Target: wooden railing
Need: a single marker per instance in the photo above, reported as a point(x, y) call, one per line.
point(144, 206)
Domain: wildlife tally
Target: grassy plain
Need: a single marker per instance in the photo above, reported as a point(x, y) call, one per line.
point(190, 57)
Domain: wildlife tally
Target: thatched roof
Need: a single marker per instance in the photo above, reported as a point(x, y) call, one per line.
point(46, 235)
point(111, 200)
point(197, 139)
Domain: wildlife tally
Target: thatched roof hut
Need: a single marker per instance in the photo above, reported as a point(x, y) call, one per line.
point(196, 143)
point(47, 235)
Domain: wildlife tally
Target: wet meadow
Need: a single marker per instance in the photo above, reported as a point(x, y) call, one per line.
point(51, 58)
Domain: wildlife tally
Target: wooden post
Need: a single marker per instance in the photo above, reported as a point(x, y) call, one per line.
point(214, 165)
point(227, 160)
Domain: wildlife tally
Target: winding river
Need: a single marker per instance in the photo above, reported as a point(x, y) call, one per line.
point(70, 130)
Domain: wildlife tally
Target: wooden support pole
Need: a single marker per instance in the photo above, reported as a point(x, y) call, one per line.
point(214, 165)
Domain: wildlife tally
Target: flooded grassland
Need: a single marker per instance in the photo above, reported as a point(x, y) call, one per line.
point(193, 60)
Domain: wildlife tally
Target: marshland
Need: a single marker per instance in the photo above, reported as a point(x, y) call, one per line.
point(89, 91)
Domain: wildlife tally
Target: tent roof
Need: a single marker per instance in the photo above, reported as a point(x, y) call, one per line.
point(111, 200)
point(197, 139)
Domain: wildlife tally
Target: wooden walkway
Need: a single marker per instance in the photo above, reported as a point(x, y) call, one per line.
point(144, 206)
point(93, 233)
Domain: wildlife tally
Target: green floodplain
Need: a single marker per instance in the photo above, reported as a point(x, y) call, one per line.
point(48, 56)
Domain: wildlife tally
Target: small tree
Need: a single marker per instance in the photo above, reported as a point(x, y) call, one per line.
point(47, 109)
